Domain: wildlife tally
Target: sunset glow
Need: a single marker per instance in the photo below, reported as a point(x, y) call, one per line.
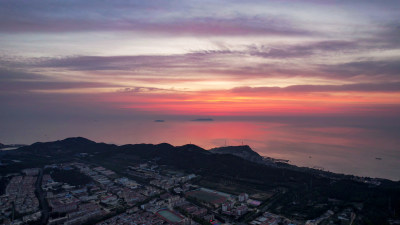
point(242, 63)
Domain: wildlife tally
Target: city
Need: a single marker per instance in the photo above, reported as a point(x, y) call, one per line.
point(211, 112)
point(81, 192)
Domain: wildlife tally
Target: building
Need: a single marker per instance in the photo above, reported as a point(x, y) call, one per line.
point(31, 171)
point(243, 197)
point(241, 210)
point(227, 206)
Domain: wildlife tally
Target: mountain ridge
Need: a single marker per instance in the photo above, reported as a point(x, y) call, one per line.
point(220, 168)
point(242, 151)
point(189, 156)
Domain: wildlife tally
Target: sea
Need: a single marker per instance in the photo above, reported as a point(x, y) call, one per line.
point(362, 147)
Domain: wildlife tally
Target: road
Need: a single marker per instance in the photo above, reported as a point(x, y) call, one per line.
point(42, 200)
point(265, 208)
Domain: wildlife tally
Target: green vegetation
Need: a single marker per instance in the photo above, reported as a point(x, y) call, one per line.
point(71, 177)
point(308, 193)
point(3, 184)
point(206, 196)
point(195, 218)
point(236, 187)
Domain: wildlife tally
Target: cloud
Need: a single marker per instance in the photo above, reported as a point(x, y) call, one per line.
point(224, 64)
point(139, 63)
point(19, 81)
point(358, 87)
point(142, 90)
point(367, 68)
point(302, 50)
point(134, 16)
point(198, 27)
point(15, 75)
point(203, 120)
point(50, 85)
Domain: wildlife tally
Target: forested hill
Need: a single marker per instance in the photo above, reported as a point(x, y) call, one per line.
point(304, 185)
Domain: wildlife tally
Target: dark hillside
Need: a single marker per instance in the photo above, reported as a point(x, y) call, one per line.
point(306, 188)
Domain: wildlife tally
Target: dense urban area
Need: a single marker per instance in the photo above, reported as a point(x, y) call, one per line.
point(89, 193)
point(86, 190)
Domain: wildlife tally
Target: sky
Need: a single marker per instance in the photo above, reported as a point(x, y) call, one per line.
point(70, 68)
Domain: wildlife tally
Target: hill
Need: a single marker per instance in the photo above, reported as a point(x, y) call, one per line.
point(243, 151)
point(233, 165)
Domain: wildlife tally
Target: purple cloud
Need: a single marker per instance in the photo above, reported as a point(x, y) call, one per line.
point(18, 82)
point(364, 68)
point(358, 87)
point(218, 63)
point(302, 50)
point(136, 16)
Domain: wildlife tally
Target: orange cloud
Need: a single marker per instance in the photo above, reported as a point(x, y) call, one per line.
point(234, 103)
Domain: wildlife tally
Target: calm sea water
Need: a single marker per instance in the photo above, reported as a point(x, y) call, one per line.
point(367, 148)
